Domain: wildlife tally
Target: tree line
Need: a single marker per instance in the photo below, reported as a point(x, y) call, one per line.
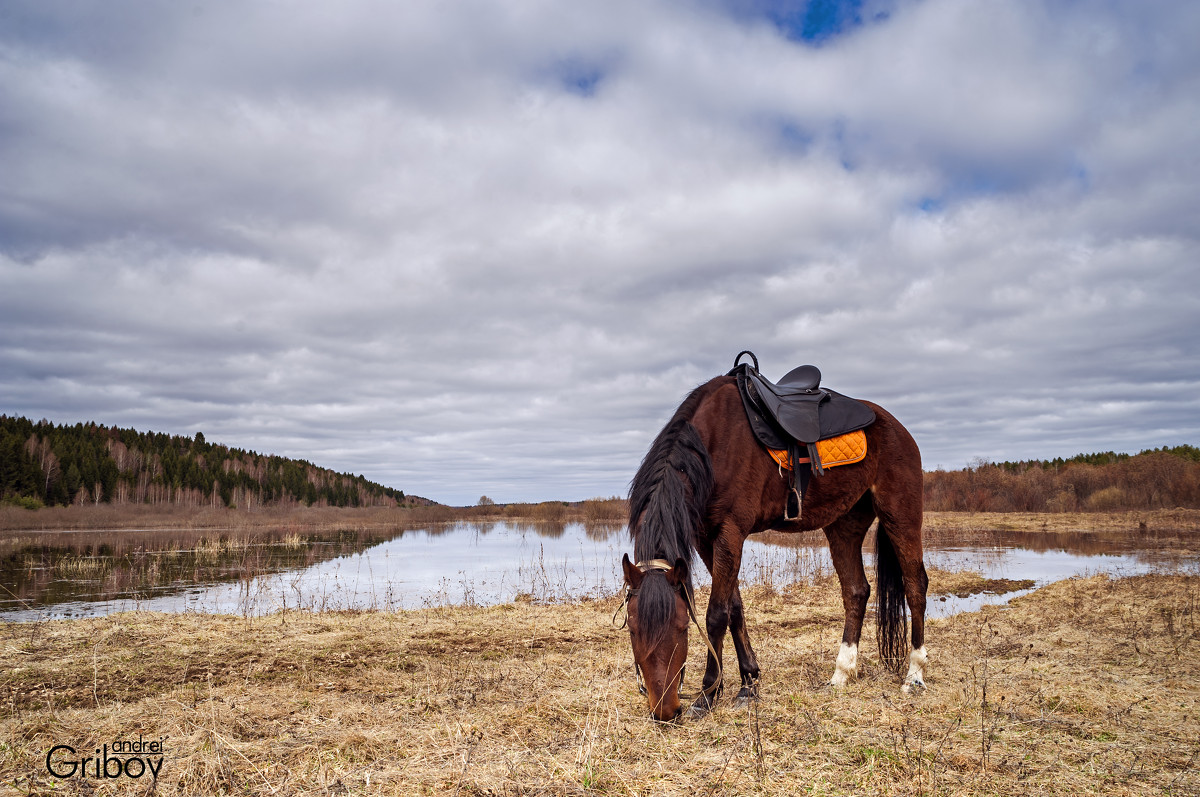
point(1162, 478)
point(43, 464)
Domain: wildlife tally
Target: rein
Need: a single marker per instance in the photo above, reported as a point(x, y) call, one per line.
point(690, 602)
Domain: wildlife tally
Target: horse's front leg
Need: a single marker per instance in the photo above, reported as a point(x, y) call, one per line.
point(716, 621)
point(747, 661)
point(725, 614)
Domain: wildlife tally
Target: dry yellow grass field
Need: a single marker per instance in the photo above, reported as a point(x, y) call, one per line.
point(1179, 520)
point(1084, 686)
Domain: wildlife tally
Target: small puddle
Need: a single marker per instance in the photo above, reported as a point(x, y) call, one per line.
point(1019, 564)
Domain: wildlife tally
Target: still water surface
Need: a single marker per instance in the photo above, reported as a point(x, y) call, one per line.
point(63, 576)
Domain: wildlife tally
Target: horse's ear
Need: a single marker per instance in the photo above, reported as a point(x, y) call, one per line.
point(678, 574)
point(633, 576)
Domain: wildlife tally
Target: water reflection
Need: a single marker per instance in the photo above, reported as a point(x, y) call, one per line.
point(69, 567)
point(68, 574)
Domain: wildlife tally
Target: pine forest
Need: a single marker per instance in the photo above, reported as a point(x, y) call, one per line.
point(44, 464)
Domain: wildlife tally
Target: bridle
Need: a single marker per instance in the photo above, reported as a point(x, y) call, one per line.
point(689, 600)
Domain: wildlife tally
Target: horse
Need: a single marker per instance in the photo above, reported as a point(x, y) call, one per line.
point(705, 485)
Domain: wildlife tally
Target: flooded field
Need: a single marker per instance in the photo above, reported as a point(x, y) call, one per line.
point(49, 575)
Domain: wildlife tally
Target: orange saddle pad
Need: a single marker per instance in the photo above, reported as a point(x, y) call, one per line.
point(845, 449)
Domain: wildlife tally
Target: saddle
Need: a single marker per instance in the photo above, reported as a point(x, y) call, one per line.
point(795, 414)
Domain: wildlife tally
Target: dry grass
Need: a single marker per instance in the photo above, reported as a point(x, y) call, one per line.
point(963, 583)
point(1084, 686)
point(1142, 520)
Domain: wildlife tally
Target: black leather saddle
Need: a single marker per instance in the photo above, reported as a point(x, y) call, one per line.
point(794, 413)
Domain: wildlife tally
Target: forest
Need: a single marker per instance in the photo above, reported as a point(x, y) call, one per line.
point(44, 464)
point(1163, 478)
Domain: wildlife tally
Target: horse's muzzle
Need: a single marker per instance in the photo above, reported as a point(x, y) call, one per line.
point(674, 717)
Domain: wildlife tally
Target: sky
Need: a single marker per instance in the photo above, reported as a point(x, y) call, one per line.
point(476, 248)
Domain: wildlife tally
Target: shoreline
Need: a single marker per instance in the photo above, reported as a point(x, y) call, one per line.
point(16, 521)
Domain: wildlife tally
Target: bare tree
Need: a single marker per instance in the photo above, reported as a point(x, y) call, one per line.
point(39, 448)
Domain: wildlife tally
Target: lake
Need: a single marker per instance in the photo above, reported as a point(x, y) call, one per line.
point(52, 575)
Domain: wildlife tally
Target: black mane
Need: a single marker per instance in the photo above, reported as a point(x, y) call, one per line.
point(670, 492)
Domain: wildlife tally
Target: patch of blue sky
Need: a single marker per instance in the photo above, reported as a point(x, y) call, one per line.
point(580, 76)
point(813, 22)
point(823, 20)
point(968, 185)
point(961, 188)
point(786, 135)
point(792, 138)
point(1080, 174)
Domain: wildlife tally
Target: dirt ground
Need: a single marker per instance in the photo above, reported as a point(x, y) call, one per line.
point(1084, 686)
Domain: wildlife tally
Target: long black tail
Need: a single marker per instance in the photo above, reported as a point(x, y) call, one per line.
point(891, 610)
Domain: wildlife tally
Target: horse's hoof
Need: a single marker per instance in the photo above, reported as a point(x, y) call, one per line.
point(841, 680)
point(701, 706)
point(745, 697)
point(914, 686)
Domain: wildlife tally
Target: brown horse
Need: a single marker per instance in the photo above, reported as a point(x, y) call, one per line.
point(706, 484)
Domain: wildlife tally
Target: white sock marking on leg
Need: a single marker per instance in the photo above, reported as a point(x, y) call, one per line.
point(917, 660)
point(846, 666)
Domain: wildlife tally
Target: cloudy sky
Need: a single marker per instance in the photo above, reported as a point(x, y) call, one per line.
point(470, 248)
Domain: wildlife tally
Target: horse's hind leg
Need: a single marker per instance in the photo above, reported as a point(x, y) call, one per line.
point(845, 537)
point(916, 584)
point(902, 526)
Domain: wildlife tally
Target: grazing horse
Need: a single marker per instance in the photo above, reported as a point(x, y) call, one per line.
point(705, 485)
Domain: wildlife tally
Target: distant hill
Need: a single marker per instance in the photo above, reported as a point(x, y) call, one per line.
point(44, 463)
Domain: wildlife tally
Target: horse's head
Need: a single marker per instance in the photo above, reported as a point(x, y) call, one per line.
point(658, 630)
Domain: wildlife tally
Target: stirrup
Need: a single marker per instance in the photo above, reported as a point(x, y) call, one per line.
point(793, 498)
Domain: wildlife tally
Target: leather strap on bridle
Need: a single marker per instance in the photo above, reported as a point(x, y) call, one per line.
point(654, 564)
